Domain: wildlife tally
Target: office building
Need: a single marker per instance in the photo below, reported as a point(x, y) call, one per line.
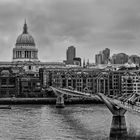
point(131, 82)
point(102, 57)
point(77, 61)
point(120, 58)
point(71, 54)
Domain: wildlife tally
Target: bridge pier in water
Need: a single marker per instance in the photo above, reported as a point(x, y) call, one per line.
point(60, 101)
point(118, 128)
point(59, 98)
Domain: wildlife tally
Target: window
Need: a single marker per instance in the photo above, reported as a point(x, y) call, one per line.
point(69, 83)
point(3, 92)
point(12, 81)
point(3, 81)
point(30, 67)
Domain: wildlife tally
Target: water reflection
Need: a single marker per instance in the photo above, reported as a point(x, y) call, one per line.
point(79, 131)
point(118, 128)
point(117, 131)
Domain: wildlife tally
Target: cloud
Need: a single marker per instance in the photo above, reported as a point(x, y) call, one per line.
point(90, 25)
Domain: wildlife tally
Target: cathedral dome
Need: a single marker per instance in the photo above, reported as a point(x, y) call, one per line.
point(25, 38)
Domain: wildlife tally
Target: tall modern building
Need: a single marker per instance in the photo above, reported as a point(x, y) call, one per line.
point(135, 59)
point(102, 57)
point(106, 55)
point(98, 59)
point(120, 58)
point(71, 54)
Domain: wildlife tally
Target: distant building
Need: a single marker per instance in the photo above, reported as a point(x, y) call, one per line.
point(10, 81)
point(80, 79)
point(135, 59)
point(98, 59)
point(15, 82)
point(106, 55)
point(25, 49)
point(115, 82)
point(84, 63)
point(29, 86)
point(77, 61)
point(25, 56)
point(131, 82)
point(102, 57)
point(120, 58)
point(71, 54)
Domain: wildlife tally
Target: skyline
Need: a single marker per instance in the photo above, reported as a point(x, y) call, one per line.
point(90, 26)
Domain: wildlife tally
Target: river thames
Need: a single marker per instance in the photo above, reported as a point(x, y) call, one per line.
point(74, 122)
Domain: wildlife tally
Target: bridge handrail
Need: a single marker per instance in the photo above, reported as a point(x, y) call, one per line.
point(136, 104)
point(82, 93)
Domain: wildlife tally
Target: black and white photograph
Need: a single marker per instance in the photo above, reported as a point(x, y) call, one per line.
point(69, 69)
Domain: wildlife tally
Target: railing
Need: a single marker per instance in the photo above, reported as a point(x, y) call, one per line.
point(128, 106)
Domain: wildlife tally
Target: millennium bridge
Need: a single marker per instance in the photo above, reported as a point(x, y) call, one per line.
point(117, 106)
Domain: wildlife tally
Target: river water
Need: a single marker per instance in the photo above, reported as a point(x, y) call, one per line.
point(74, 122)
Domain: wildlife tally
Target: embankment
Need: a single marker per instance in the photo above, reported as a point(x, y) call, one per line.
point(48, 101)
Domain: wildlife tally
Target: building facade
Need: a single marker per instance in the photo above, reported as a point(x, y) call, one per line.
point(102, 57)
point(135, 59)
point(77, 61)
point(71, 54)
point(25, 56)
point(10, 81)
point(120, 58)
point(25, 49)
point(80, 79)
point(131, 82)
point(98, 59)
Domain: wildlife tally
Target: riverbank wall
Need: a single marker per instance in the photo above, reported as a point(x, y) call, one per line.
point(48, 101)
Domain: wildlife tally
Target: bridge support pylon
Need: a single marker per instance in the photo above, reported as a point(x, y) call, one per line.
point(59, 98)
point(118, 126)
point(60, 101)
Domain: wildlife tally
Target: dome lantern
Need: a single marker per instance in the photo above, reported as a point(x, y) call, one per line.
point(25, 28)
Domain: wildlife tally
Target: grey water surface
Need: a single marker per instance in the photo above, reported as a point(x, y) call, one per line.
point(74, 122)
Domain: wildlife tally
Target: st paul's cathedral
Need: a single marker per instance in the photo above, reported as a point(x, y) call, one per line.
point(25, 55)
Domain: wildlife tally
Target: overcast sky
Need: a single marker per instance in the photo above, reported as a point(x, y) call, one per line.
point(89, 25)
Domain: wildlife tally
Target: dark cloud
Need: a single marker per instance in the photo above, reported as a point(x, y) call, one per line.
point(90, 25)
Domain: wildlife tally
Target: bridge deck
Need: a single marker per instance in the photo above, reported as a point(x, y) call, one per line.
point(126, 105)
